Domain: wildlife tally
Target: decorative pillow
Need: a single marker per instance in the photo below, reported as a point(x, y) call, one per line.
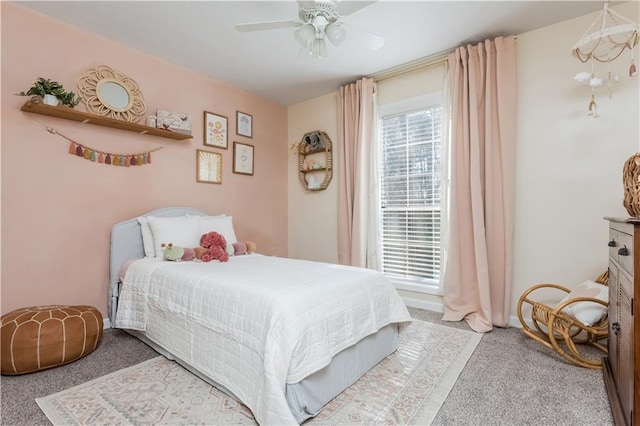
point(222, 225)
point(147, 237)
point(588, 313)
point(182, 231)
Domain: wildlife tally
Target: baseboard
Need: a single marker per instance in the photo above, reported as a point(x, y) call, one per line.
point(423, 304)
point(106, 323)
point(515, 322)
point(439, 307)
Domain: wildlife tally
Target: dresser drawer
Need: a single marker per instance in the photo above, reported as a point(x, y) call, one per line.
point(614, 243)
point(625, 252)
point(621, 369)
point(626, 285)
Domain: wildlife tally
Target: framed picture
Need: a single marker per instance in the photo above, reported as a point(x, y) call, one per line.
point(174, 121)
point(242, 158)
point(244, 124)
point(208, 167)
point(215, 130)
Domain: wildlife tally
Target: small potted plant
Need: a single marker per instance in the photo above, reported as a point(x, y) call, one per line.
point(51, 93)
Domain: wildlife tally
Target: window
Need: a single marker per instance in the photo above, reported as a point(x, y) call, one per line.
point(410, 195)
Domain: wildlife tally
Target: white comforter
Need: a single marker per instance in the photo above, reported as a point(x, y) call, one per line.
point(255, 323)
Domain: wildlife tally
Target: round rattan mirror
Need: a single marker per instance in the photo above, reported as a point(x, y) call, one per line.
point(109, 92)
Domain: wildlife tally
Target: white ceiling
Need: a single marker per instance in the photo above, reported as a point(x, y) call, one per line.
point(200, 35)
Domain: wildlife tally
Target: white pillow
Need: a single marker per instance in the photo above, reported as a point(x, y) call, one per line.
point(588, 313)
point(147, 237)
point(182, 231)
point(222, 225)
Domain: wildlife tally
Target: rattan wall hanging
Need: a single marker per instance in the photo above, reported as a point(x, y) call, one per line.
point(315, 161)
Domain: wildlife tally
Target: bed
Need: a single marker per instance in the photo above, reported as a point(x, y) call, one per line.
point(282, 336)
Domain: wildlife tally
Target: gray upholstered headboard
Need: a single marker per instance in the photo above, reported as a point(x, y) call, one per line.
point(126, 244)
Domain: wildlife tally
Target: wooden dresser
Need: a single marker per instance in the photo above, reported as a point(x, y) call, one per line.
point(621, 371)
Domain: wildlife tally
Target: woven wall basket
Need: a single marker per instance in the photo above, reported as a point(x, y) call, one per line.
point(631, 182)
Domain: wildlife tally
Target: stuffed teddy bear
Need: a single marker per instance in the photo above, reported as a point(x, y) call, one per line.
point(216, 247)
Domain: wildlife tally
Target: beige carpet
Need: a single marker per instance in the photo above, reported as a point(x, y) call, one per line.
point(407, 387)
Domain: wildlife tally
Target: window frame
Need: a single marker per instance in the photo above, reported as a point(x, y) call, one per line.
point(426, 285)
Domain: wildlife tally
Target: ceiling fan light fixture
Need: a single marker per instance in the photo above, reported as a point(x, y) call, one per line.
point(335, 33)
point(305, 34)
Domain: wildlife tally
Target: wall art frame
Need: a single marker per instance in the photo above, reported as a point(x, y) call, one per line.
point(244, 124)
point(243, 158)
point(173, 121)
point(215, 130)
point(208, 167)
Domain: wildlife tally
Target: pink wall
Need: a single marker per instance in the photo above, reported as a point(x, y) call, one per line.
point(58, 209)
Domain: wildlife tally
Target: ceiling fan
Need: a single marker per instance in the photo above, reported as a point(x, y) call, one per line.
point(319, 21)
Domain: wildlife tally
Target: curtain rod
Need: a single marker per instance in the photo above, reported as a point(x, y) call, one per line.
point(408, 67)
point(418, 64)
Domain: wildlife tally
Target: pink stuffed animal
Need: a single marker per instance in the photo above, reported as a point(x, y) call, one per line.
point(213, 239)
point(216, 247)
point(215, 253)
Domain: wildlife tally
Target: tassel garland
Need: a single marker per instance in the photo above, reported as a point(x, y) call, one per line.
point(126, 160)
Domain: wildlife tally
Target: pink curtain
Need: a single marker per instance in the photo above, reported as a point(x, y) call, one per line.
point(477, 281)
point(355, 127)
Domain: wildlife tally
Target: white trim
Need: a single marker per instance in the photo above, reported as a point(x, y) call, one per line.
point(432, 289)
point(515, 322)
point(439, 307)
point(418, 64)
point(106, 323)
point(418, 102)
point(423, 304)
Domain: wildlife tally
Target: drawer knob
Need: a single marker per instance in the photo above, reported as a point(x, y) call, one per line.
point(623, 251)
point(612, 243)
point(615, 327)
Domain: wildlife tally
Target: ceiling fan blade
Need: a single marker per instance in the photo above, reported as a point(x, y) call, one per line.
point(373, 41)
point(364, 38)
point(266, 25)
point(307, 4)
point(348, 7)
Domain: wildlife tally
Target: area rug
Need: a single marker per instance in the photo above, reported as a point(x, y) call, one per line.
point(407, 387)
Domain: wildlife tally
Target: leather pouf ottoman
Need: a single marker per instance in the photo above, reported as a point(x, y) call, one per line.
point(42, 337)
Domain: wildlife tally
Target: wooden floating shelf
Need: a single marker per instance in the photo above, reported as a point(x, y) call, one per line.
point(85, 117)
point(321, 169)
point(315, 151)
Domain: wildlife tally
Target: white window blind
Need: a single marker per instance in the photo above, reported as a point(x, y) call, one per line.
point(410, 198)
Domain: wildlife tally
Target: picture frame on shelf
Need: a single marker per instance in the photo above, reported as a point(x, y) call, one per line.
point(243, 158)
point(173, 121)
point(244, 124)
point(208, 167)
point(215, 130)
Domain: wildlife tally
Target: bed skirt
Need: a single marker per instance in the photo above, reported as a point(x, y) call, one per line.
point(307, 397)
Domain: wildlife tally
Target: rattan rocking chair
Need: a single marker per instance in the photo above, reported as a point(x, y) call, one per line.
point(560, 331)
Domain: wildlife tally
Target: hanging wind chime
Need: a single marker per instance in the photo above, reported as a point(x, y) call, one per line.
point(604, 41)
